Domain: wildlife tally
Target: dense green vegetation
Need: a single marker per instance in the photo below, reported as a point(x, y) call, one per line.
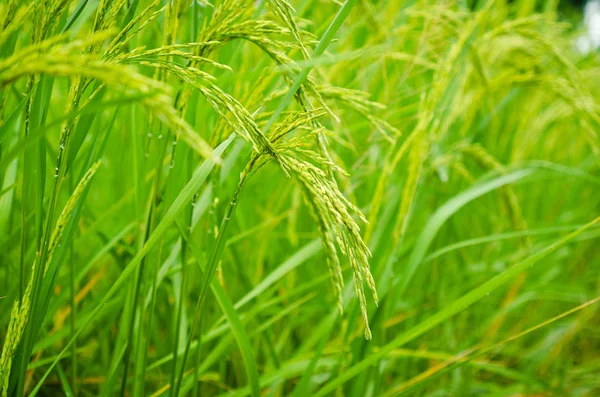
point(239, 197)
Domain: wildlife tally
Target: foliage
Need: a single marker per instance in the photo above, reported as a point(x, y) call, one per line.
point(445, 154)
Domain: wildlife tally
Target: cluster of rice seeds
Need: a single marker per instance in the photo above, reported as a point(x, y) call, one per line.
point(328, 207)
point(331, 257)
point(224, 26)
point(353, 99)
point(331, 211)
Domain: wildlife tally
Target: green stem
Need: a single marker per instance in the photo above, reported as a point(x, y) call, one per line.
point(215, 257)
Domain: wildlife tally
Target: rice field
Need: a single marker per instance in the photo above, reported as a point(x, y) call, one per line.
point(298, 198)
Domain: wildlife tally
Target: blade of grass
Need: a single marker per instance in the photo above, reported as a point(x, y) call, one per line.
point(239, 332)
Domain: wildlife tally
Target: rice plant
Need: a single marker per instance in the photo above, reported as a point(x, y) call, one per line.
point(280, 197)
